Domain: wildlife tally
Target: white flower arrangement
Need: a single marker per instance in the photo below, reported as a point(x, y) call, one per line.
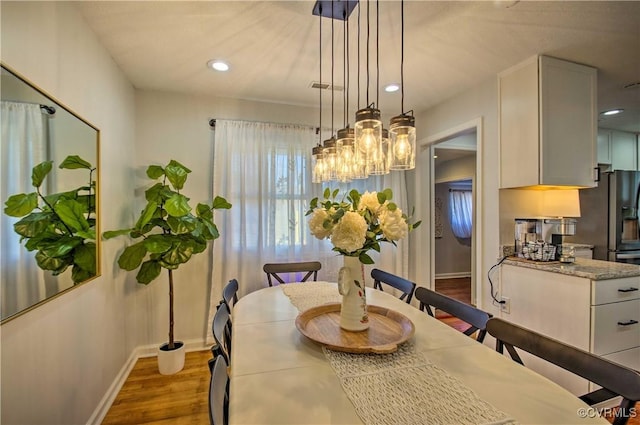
point(358, 223)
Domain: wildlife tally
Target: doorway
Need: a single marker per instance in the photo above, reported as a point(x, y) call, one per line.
point(453, 148)
point(454, 170)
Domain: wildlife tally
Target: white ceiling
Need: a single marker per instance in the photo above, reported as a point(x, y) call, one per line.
point(450, 46)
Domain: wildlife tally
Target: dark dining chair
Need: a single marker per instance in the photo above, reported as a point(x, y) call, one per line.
point(405, 286)
point(274, 269)
point(219, 392)
point(230, 294)
point(476, 318)
point(220, 328)
point(615, 379)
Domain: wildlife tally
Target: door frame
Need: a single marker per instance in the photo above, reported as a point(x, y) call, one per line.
point(427, 200)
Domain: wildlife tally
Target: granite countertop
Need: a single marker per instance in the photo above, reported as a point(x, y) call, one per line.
point(583, 267)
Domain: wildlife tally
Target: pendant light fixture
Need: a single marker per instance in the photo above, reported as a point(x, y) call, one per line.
point(402, 128)
point(317, 154)
point(367, 148)
point(368, 126)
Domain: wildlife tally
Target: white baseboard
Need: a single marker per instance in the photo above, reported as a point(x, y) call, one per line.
point(139, 352)
point(452, 275)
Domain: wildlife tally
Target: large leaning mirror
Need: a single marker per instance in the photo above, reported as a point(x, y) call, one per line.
point(49, 190)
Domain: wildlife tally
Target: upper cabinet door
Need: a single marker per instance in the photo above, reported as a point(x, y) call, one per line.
point(548, 124)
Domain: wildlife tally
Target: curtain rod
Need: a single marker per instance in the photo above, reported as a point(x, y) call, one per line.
point(212, 124)
point(46, 108)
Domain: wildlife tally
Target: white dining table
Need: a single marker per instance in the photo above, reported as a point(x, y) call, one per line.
point(278, 376)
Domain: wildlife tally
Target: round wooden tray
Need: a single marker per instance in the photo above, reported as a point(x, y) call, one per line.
point(387, 329)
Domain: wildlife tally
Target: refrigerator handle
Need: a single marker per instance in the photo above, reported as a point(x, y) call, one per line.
point(596, 175)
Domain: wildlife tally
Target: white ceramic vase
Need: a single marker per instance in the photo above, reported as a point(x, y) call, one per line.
point(171, 361)
point(353, 312)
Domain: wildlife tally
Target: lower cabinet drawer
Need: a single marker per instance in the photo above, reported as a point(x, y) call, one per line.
point(615, 327)
point(629, 358)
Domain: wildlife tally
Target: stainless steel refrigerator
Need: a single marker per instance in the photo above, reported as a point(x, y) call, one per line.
point(609, 217)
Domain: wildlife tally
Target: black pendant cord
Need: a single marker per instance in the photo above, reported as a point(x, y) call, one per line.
point(378, 53)
point(345, 64)
point(402, 56)
point(320, 82)
point(332, 90)
point(358, 103)
point(367, 53)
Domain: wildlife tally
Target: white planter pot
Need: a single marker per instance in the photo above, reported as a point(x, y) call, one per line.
point(171, 361)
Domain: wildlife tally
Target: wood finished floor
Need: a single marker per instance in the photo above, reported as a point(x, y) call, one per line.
point(148, 398)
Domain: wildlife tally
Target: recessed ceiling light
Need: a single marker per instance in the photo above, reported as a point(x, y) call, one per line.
point(218, 65)
point(390, 88)
point(613, 112)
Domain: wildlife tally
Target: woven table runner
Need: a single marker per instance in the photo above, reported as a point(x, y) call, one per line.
point(398, 388)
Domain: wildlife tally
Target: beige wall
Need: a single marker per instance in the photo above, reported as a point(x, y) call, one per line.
point(59, 360)
point(176, 126)
point(477, 103)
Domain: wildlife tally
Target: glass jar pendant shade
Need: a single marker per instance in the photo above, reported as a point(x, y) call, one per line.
point(402, 150)
point(329, 154)
point(368, 132)
point(317, 164)
point(379, 161)
point(345, 151)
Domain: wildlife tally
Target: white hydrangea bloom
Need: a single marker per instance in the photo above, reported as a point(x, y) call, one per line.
point(350, 233)
point(369, 200)
point(316, 223)
point(393, 226)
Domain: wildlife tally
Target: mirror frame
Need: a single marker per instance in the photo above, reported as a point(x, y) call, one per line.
point(98, 211)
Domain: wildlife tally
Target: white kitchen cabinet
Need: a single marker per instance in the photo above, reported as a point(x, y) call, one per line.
point(548, 124)
point(604, 146)
point(599, 316)
point(624, 151)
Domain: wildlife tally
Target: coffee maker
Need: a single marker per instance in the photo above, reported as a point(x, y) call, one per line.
point(557, 229)
point(543, 232)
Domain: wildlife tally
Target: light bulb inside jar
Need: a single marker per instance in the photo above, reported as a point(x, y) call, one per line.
point(402, 147)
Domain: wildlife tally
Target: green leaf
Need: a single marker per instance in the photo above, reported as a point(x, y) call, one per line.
point(74, 162)
point(365, 259)
point(132, 256)
point(146, 215)
point(177, 174)
point(177, 205)
point(219, 203)
point(185, 224)
point(179, 253)
point(148, 272)
point(417, 224)
point(113, 233)
point(39, 172)
point(21, 204)
point(79, 275)
point(157, 244)
point(60, 246)
point(57, 265)
point(212, 230)
point(155, 172)
point(391, 206)
point(154, 193)
point(204, 211)
point(334, 194)
point(84, 256)
point(72, 214)
point(55, 197)
point(87, 234)
point(33, 224)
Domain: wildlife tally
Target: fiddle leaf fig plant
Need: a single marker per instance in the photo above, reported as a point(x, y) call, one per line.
point(60, 227)
point(169, 230)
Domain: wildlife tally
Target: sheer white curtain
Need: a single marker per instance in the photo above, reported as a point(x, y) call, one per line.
point(460, 212)
point(264, 170)
point(24, 145)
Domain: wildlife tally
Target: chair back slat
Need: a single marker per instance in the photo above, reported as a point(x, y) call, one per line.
point(221, 333)
point(230, 294)
point(219, 392)
point(614, 377)
point(273, 269)
point(405, 286)
point(476, 318)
